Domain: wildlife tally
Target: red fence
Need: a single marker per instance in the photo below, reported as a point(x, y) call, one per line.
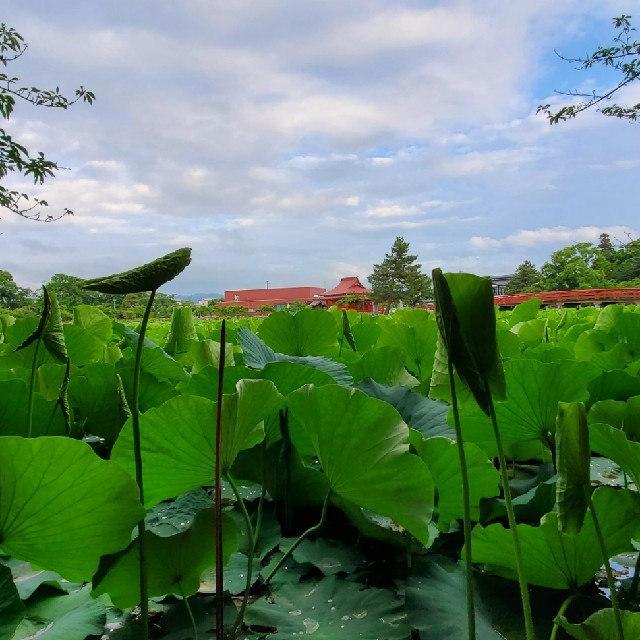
point(574, 296)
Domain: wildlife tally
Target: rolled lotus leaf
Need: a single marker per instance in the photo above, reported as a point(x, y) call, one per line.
point(467, 323)
point(148, 277)
point(573, 460)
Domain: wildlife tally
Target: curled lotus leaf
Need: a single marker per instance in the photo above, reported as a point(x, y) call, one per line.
point(147, 277)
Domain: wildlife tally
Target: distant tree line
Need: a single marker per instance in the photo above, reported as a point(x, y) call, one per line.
point(583, 265)
point(19, 301)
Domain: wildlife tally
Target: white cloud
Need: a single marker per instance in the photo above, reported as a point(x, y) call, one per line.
point(268, 130)
point(381, 161)
point(552, 236)
point(390, 211)
point(477, 162)
point(484, 242)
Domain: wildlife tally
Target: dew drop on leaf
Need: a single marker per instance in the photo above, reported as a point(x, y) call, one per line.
point(310, 625)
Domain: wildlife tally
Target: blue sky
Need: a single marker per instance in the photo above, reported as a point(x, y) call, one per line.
point(292, 141)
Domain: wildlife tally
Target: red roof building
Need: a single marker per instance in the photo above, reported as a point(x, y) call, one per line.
point(349, 287)
point(278, 297)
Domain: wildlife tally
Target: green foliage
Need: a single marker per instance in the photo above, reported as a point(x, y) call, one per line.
point(11, 295)
point(63, 617)
point(175, 563)
point(266, 308)
point(398, 278)
point(182, 331)
point(442, 459)
point(231, 311)
point(601, 626)
point(14, 157)
point(573, 457)
point(574, 267)
point(331, 609)
point(306, 333)
point(526, 279)
point(435, 597)
point(623, 55)
point(558, 560)
point(148, 277)
point(294, 428)
point(466, 319)
point(61, 507)
point(12, 609)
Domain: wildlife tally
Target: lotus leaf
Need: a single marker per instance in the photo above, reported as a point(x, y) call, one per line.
point(555, 559)
point(174, 563)
point(62, 507)
point(147, 277)
point(363, 448)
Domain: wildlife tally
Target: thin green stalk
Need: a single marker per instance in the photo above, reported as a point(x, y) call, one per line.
point(285, 462)
point(607, 566)
point(137, 454)
point(304, 536)
point(471, 613)
point(522, 580)
point(633, 589)
point(32, 385)
point(187, 606)
point(263, 495)
point(252, 536)
point(561, 612)
point(218, 488)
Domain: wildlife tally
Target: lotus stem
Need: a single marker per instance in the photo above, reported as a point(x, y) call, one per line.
point(137, 454)
point(187, 606)
point(633, 589)
point(285, 455)
point(218, 488)
point(252, 536)
point(32, 385)
point(471, 614)
point(561, 612)
point(304, 536)
point(522, 580)
point(607, 565)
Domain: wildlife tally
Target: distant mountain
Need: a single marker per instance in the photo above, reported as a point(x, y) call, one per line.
point(196, 296)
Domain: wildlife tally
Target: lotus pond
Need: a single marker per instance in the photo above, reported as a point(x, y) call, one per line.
point(348, 482)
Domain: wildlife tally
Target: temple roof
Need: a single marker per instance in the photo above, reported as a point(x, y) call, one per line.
point(348, 285)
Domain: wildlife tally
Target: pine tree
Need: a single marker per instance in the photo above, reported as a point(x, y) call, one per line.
point(398, 277)
point(526, 279)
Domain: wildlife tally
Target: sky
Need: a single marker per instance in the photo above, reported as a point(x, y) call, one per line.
point(292, 141)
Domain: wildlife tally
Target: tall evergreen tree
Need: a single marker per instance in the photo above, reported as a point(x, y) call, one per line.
point(526, 279)
point(398, 278)
point(605, 245)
